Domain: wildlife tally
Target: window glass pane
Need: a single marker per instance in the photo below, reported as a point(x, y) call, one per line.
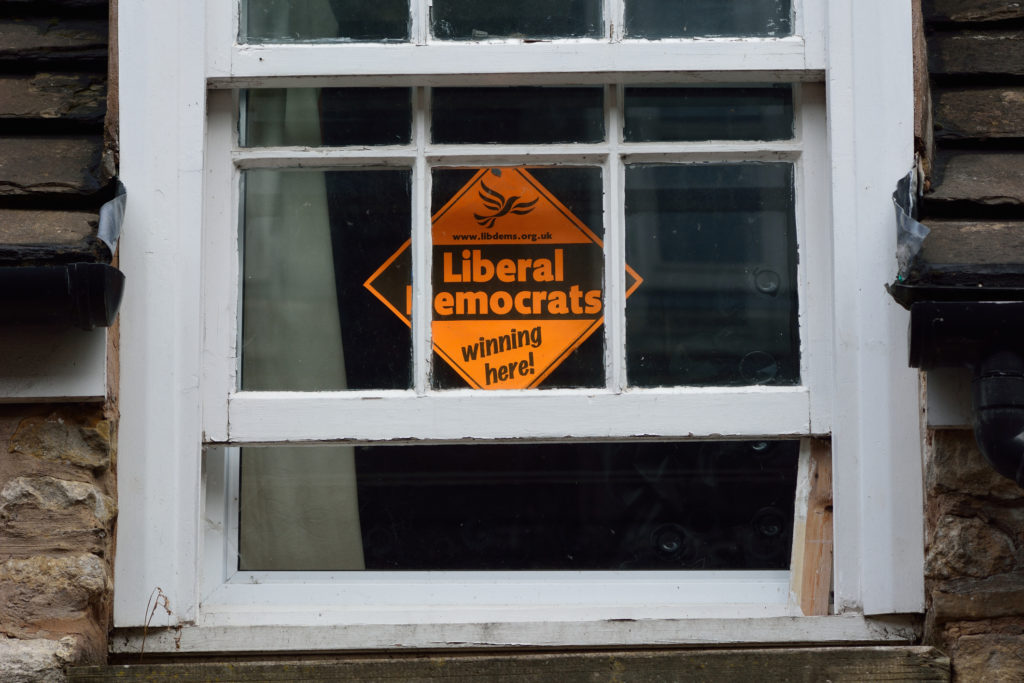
point(482, 19)
point(716, 246)
point(277, 21)
point(332, 117)
point(518, 278)
point(517, 115)
point(697, 18)
point(694, 113)
point(580, 506)
point(311, 240)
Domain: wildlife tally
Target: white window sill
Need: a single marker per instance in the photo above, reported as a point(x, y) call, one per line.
point(565, 633)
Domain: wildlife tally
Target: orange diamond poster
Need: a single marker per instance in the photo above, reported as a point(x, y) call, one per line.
point(517, 281)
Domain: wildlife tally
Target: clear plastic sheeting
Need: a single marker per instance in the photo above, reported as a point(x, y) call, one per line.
point(910, 233)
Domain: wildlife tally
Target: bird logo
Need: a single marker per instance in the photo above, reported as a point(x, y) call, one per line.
point(496, 202)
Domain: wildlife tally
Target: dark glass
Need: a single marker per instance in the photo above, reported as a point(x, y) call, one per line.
point(575, 506)
point(333, 117)
point(482, 19)
point(278, 21)
point(703, 18)
point(517, 115)
point(716, 246)
point(311, 240)
point(512, 236)
point(694, 113)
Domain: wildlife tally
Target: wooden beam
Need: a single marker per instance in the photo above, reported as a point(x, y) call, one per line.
point(806, 664)
point(811, 567)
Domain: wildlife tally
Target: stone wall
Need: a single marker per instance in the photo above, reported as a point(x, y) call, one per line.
point(57, 488)
point(975, 518)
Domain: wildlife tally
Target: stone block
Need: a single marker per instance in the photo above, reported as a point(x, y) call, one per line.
point(65, 436)
point(967, 546)
point(50, 593)
point(985, 179)
point(979, 113)
point(974, 242)
point(976, 53)
point(53, 40)
point(976, 599)
point(956, 465)
point(972, 10)
point(36, 660)
point(48, 165)
point(67, 96)
point(992, 658)
point(42, 514)
point(49, 237)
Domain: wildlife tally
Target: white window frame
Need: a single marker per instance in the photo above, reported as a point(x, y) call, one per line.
point(177, 356)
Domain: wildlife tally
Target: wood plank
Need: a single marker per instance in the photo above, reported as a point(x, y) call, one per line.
point(972, 10)
point(812, 533)
point(973, 242)
point(979, 113)
point(973, 53)
point(806, 664)
point(981, 178)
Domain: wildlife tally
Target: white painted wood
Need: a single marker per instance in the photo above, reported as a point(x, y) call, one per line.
point(405, 597)
point(949, 398)
point(307, 157)
point(220, 268)
point(221, 34)
point(272, 417)
point(52, 364)
point(876, 441)
point(252, 63)
point(614, 231)
point(162, 94)
point(557, 632)
point(815, 237)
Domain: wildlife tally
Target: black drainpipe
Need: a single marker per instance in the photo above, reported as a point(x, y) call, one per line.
point(85, 295)
point(978, 325)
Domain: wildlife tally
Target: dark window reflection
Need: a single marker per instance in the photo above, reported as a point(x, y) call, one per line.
point(517, 115)
point(311, 239)
point(697, 18)
point(273, 21)
point(726, 505)
point(708, 113)
point(716, 246)
point(482, 19)
point(333, 117)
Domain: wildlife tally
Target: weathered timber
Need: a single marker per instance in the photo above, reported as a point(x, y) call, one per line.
point(985, 179)
point(979, 113)
point(976, 53)
point(40, 237)
point(783, 665)
point(972, 10)
point(48, 165)
point(43, 41)
point(974, 242)
point(66, 96)
point(811, 567)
